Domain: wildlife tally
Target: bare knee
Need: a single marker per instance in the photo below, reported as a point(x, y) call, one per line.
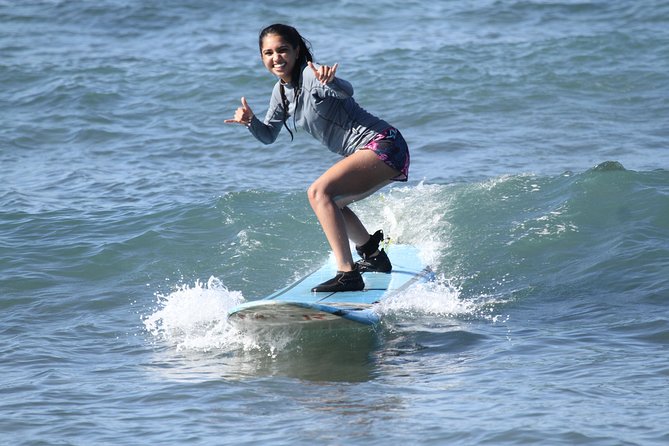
point(317, 194)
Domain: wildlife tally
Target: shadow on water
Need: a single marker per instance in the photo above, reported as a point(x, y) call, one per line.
point(345, 355)
point(331, 356)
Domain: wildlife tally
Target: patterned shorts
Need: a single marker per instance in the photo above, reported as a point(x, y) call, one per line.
point(390, 147)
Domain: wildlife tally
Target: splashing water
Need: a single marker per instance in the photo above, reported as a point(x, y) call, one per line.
point(412, 215)
point(194, 317)
point(440, 298)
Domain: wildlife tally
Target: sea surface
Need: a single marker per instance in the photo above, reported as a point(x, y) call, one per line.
point(132, 218)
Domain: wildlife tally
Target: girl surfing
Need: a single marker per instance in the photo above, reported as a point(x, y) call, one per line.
point(375, 153)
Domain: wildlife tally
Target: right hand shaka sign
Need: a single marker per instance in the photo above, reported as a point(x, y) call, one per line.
point(243, 114)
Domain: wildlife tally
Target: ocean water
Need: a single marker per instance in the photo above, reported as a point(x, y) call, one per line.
point(132, 218)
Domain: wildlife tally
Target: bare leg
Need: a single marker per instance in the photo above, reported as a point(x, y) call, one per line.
point(354, 228)
point(351, 179)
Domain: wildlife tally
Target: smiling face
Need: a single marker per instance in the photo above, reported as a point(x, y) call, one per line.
point(279, 56)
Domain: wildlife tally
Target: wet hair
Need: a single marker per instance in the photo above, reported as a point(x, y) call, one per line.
point(294, 39)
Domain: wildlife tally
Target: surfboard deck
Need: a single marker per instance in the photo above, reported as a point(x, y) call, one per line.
point(296, 304)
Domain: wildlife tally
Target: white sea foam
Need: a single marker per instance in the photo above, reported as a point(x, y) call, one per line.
point(412, 215)
point(432, 298)
point(440, 298)
point(194, 317)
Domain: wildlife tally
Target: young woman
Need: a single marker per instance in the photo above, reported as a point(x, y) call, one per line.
point(375, 153)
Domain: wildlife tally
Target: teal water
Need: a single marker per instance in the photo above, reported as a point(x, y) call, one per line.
point(132, 218)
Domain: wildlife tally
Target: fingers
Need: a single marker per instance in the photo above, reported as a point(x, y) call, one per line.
point(325, 74)
point(243, 114)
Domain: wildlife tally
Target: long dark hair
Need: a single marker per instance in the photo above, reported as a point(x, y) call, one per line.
point(294, 39)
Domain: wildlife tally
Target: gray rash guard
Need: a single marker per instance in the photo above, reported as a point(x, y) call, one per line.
point(327, 112)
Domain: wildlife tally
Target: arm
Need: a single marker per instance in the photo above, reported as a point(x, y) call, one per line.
point(267, 131)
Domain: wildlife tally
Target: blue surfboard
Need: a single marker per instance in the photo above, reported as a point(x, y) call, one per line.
point(298, 305)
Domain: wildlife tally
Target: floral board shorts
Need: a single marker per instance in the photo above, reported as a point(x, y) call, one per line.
point(390, 147)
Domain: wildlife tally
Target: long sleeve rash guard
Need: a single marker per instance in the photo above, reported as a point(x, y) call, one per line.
point(327, 112)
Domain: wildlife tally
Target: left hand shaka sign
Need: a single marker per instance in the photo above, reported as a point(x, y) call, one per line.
point(325, 74)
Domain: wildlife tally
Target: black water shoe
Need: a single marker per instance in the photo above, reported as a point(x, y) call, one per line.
point(373, 258)
point(343, 281)
point(380, 263)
